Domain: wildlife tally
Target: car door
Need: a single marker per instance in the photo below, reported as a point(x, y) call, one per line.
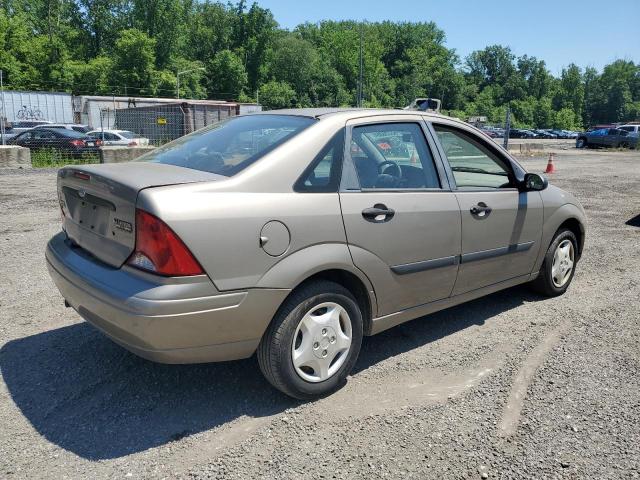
point(44, 138)
point(401, 219)
point(611, 138)
point(501, 226)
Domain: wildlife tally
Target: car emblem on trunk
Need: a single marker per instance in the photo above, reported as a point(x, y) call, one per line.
point(82, 193)
point(122, 225)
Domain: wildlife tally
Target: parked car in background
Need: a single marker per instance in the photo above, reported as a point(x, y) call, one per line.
point(9, 133)
point(545, 134)
point(570, 134)
point(489, 132)
point(633, 129)
point(499, 132)
point(295, 247)
point(24, 125)
point(520, 133)
point(607, 137)
point(67, 126)
point(119, 137)
point(69, 141)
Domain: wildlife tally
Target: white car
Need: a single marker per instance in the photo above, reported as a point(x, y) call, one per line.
point(633, 129)
point(17, 128)
point(119, 138)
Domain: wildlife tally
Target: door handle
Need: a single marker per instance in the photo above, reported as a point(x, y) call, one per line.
point(379, 213)
point(481, 210)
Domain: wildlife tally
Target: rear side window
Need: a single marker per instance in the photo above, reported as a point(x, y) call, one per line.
point(323, 174)
point(230, 146)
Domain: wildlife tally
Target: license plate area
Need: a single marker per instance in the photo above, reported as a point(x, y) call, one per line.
point(89, 211)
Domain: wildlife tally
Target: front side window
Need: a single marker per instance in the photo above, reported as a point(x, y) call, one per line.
point(393, 155)
point(473, 164)
point(228, 147)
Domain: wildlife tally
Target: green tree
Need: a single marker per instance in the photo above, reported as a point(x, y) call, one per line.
point(133, 63)
point(274, 95)
point(227, 76)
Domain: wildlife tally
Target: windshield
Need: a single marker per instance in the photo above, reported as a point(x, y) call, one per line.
point(227, 147)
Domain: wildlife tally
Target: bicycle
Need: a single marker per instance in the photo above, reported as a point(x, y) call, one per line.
point(29, 113)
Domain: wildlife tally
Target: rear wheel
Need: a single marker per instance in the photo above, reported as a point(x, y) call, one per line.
point(559, 265)
point(313, 341)
point(581, 143)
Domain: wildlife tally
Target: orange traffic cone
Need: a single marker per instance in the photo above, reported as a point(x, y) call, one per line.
point(550, 166)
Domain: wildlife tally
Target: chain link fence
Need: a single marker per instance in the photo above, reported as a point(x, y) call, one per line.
point(60, 130)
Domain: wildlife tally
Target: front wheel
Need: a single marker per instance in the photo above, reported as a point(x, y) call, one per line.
point(313, 341)
point(558, 266)
point(581, 143)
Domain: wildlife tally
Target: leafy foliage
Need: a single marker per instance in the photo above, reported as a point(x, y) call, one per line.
point(137, 47)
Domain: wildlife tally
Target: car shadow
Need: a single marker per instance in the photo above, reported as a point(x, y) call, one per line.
point(91, 397)
point(634, 221)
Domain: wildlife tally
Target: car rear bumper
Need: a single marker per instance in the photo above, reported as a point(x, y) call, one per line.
point(168, 320)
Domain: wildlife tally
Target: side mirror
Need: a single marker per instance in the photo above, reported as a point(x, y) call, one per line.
point(535, 182)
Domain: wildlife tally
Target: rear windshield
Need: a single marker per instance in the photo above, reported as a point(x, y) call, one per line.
point(227, 147)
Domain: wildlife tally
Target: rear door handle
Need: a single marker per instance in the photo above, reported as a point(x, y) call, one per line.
point(379, 213)
point(480, 210)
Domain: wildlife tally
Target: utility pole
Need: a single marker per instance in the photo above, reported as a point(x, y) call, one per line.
point(360, 86)
point(507, 127)
point(3, 114)
point(182, 73)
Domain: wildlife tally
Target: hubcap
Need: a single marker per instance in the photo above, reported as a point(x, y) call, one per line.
point(563, 261)
point(322, 341)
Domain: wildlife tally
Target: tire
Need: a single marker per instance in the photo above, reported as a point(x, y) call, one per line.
point(623, 145)
point(581, 143)
point(302, 327)
point(548, 285)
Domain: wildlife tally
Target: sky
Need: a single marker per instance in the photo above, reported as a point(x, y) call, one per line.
point(560, 32)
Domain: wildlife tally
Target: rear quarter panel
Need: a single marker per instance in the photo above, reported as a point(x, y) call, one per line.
point(222, 230)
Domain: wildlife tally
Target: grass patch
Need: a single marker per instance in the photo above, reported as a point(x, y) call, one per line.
point(50, 157)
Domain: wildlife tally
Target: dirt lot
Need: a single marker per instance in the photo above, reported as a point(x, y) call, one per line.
point(508, 386)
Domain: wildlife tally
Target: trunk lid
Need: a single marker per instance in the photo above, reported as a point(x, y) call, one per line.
point(99, 202)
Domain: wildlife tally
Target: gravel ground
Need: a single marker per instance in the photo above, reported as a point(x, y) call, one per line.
point(509, 386)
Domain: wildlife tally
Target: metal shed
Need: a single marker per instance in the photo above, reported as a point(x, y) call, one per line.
point(166, 122)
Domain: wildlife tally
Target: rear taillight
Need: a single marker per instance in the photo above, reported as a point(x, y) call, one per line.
point(98, 142)
point(159, 250)
point(77, 143)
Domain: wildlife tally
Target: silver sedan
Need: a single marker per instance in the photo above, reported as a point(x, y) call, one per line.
point(295, 233)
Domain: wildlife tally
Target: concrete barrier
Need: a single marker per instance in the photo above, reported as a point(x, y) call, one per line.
point(524, 148)
point(122, 154)
point(12, 156)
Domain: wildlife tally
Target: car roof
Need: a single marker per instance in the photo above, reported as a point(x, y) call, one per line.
point(348, 113)
point(64, 132)
point(45, 125)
